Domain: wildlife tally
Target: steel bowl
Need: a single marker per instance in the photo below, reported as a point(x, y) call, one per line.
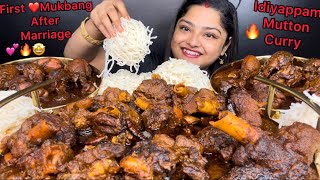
point(227, 69)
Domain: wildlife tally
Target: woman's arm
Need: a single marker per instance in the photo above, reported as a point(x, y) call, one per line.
point(78, 47)
point(98, 27)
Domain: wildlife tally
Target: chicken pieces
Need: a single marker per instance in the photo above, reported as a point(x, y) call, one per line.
point(76, 74)
point(158, 136)
point(161, 157)
point(270, 156)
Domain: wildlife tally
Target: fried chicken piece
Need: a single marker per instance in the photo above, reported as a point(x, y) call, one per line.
point(277, 61)
point(103, 124)
point(270, 153)
point(79, 66)
point(34, 72)
point(302, 139)
point(159, 158)
point(33, 132)
point(46, 160)
point(114, 95)
point(159, 118)
point(262, 150)
point(289, 75)
point(38, 128)
point(154, 159)
point(246, 107)
point(204, 101)
point(237, 77)
point(189, 151)
point(153, 91)
point(50, 64)
point(216, 141)
point(94, 163)
point(280, 68)
point(250, 67)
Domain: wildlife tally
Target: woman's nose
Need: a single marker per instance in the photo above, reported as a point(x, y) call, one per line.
point(193, 40)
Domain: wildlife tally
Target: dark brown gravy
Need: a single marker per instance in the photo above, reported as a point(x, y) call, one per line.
point(74, 93)
point(217, 167)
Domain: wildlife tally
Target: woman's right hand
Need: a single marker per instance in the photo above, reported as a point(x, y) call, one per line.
point(106, 13)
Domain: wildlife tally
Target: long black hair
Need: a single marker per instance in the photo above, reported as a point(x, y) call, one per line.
point(229, 21)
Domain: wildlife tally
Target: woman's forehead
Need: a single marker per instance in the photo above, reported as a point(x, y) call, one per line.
point(202, 16)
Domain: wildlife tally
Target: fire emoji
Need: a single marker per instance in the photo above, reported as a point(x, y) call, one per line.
point(25, 50)
point(253, 32)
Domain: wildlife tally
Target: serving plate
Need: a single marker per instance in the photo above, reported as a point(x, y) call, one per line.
point(228, 69)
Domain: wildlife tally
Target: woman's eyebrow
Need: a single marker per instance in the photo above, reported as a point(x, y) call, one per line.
point(204, 27)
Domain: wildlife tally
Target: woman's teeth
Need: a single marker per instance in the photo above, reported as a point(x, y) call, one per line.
point(192, 53)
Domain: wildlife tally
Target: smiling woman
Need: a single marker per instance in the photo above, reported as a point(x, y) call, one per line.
point(204, 31)
point(199, 38)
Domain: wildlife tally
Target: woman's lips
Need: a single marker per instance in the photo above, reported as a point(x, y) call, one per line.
point(190, 53)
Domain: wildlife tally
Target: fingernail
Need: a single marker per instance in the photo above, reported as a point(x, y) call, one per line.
point(127, 17)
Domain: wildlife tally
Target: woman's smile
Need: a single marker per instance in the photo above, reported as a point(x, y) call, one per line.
point(190, 53)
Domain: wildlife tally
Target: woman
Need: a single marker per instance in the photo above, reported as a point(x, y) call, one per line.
point(205, 33)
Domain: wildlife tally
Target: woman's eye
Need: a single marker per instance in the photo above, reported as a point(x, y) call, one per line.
point(209, 35)
point(184, 28)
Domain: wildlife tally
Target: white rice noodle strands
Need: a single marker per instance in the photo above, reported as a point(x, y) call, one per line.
point(128, 47)
point(175, 71)
point(300, 112)
point(124, 80)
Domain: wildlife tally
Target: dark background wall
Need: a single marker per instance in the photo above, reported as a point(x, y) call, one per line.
point(158, 14)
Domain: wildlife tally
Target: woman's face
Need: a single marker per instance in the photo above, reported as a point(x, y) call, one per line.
point(199, 37)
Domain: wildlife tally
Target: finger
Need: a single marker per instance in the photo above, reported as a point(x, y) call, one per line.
point(107, 23)
point(121, 7)
point(98, 23)
point(115, 19)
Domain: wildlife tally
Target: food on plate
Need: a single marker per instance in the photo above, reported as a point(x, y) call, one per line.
point(173, 71)
point(123, 79)
point(298, 73)
point(160, 131)
point(285, 155)
point(128, 47)
point(176, 71)
point(299, 112)
point(73, 80)
point(14, 113)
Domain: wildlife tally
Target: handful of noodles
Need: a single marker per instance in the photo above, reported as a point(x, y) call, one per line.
point(128, 47)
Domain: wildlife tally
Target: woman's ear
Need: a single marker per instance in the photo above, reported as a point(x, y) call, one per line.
point(226, 46)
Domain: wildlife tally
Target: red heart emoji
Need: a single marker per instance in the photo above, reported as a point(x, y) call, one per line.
point(33, 6)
